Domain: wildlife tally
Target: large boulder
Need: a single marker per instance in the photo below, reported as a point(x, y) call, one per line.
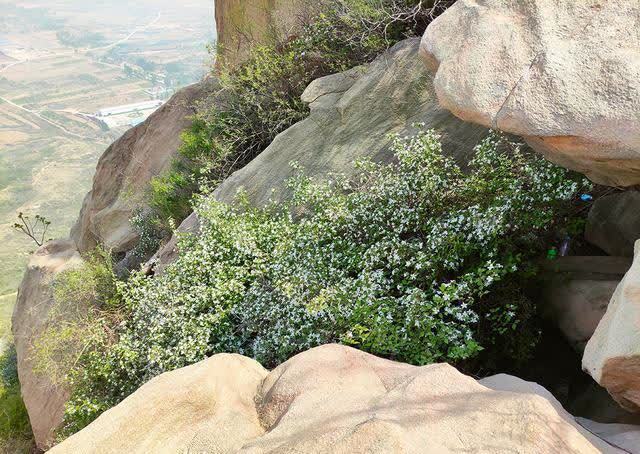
point(577, 293)
point(352, 115)
point(612, 355)
point(43, 398)
point(622, 436)
point(333, 399)
point(206, 407)
point(614, 223)
point(564, 75)
point(125, 169)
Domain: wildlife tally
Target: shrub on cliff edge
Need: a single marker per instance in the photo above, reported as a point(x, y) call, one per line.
point(416, 261)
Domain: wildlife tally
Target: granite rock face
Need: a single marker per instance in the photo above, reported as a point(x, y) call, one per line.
point(43, 398)
point(577, 292)
point(241, 24)
point(563, 75)
point(125, 169)
point(352, 115)
point(333, 399)
point(612, 355)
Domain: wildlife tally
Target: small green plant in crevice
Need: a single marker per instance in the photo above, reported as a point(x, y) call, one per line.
point(416, 261)
point(15, 430)
point(261, 97)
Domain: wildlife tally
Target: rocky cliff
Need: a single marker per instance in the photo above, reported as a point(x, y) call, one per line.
point(333, 398)
point(122, 177)
point(240, 24)
point(43, 398)
point(125, 169)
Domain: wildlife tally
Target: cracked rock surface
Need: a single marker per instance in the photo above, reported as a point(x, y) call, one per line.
point(564, 75)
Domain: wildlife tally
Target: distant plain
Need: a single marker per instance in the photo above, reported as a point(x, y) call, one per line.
point(60, 60)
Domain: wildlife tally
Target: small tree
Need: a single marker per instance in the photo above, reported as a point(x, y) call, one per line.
point(36, 230)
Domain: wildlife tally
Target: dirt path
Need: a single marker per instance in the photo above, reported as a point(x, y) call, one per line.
point(59, 54)
point(10, 65)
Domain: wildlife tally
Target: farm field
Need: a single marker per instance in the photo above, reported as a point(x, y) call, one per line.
point(62, 61)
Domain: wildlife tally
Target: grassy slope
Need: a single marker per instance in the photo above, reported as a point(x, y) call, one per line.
point(6, 308)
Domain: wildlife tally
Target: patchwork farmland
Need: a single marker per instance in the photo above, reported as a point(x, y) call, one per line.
point(60, 63)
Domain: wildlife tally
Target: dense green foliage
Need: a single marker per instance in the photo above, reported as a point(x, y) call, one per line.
point(261, 97)
point(417, 261)
point(15, 431)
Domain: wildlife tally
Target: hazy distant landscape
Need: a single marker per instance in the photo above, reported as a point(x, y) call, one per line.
point(61, 63)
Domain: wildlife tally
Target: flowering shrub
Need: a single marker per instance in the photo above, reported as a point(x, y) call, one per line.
point(150, 233)
point(415, 261)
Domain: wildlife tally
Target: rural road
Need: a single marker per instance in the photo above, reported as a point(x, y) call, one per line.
point(91, 49)
point(128, 37)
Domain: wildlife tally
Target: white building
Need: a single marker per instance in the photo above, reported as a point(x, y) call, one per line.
point(119, 110)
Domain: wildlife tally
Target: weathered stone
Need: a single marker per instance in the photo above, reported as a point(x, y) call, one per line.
point(564, 75)
point(352, 115)
point(577, 293)
point(334, 399)
point(44, 399)
point(612, 355)
point(614, 223)
point(206, 407)
point(325, 92)
point(125, 169)
point(241, 24)
point(619, 436)
point(353, 122)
